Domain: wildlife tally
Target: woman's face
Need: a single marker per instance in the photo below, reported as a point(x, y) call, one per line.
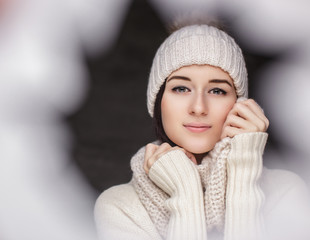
point(195, 104)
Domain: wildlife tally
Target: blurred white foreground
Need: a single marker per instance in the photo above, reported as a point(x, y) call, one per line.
point(42, 77)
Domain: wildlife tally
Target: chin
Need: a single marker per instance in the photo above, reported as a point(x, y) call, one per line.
point(198, 148)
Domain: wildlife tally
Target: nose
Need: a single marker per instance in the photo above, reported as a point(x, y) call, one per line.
point(199, 105)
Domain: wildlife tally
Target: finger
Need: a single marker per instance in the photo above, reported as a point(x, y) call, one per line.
point(231, 132)
point(258, 119)
point(191, 157)
point(247, 126)
point(257, 110)
point(163, 148)
point(243, 111)
point(254, 107)
point(149, 152)
point(152, 153)
point(188, 154)
point(235, 121)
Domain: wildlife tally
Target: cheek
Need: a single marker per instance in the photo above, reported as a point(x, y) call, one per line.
point(167, 113)
point(224, 113)
point(171, 115)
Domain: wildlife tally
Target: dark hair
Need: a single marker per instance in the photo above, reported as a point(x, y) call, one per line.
point(157, 121)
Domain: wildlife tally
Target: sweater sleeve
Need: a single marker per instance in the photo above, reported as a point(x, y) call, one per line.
point(244, 197)
point(175, 174)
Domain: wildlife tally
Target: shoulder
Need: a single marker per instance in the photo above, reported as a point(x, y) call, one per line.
point(287, 205)
point(119, 214)
point(282, 186)
point(120, 196)
point(274, 180)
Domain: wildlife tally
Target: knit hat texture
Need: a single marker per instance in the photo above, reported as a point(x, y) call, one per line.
point(197, 44)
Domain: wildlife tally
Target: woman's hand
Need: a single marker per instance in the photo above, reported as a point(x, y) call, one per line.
point(246, 116)
point(154, 152)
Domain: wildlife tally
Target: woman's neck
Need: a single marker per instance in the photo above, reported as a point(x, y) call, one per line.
point(199, 157)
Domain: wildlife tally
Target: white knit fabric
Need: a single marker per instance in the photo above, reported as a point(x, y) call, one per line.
point(121, 215)
point(197, 44)
point(212, 172)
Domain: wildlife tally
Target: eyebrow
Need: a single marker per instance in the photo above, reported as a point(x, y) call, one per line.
point(179, 77)
point(210, 81)
point(220, 81)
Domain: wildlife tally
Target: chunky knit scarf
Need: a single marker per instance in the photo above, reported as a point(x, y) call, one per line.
point(212, 172)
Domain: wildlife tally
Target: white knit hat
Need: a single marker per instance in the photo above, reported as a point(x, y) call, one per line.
point(197, 44)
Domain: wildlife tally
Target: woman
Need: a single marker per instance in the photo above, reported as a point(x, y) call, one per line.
point(203, 178)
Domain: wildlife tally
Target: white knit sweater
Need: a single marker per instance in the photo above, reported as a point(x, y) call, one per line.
point(285, 213)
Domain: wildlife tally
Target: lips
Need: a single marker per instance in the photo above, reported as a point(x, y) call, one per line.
point(197, 127)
